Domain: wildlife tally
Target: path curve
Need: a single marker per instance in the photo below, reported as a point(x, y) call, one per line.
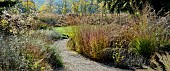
point(73, 61)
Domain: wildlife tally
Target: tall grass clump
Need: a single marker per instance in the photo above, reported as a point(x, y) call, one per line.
point(144, 47)
point(152, 38)
point(153, 30)
point(89, 40)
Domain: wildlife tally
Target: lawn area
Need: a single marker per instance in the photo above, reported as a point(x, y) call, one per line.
point(69, 30)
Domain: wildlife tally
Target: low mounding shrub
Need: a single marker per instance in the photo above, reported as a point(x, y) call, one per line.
point(125, 58)
point(143, 46)
point(17, 24)
point(46, 34)
point(48, 18)
point(26, 52)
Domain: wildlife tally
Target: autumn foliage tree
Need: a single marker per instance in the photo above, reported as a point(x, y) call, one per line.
point(48, 6)
point(28, 6)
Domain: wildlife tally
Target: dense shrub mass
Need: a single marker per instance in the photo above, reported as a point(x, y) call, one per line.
point(23, 46)
point(18, 24)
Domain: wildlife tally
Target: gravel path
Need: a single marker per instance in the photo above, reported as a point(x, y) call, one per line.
point(76, 62)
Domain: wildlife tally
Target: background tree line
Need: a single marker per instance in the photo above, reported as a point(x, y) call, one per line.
point(92, 6)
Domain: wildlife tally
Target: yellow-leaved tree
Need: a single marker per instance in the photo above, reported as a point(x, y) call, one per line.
point(29, 5)
point(48, 6)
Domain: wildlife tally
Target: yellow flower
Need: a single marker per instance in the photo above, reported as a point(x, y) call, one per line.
point(4, 22)
point(123, 57)
point(42, 68)
point(10, 30)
